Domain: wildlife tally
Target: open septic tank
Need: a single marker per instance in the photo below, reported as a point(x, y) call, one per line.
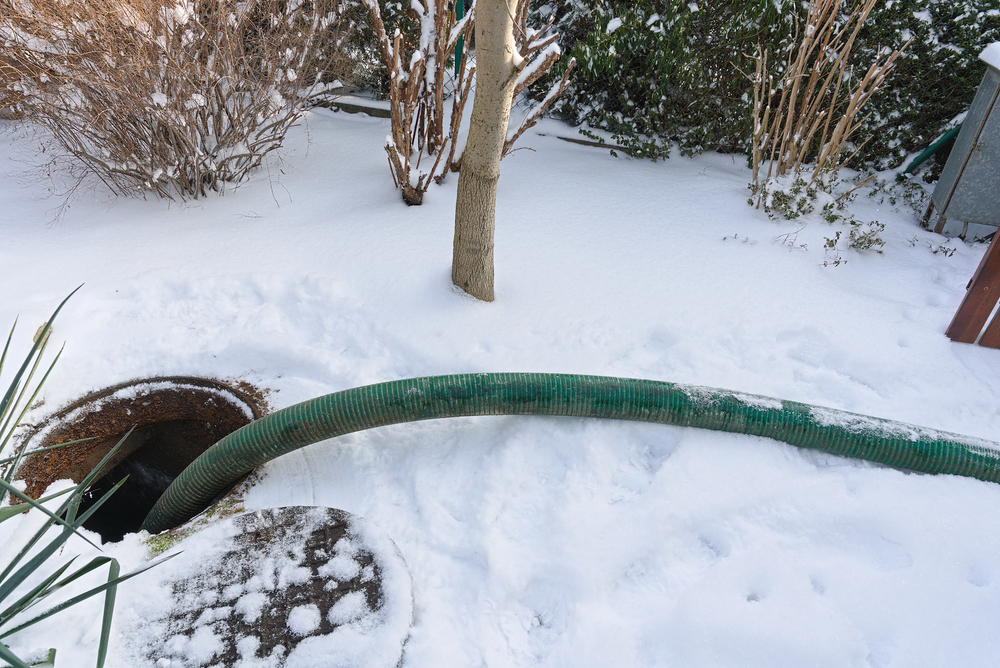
point(299, 586)
point(969, 187)
point(173, 420)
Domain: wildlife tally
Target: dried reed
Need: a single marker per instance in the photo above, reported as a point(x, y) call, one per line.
point(814, 117)
point(422, 127)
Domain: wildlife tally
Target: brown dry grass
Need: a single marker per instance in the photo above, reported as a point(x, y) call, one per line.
point(8, 98)
point(155, 95)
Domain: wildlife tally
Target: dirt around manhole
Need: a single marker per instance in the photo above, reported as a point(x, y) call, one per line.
point(174, 419)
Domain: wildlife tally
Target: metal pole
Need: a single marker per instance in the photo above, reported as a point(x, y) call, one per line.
point(459, 12)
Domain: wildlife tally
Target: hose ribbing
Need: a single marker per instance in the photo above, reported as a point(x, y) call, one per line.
point(838, 432)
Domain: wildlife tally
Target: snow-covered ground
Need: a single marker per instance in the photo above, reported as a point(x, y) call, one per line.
point(557, 542)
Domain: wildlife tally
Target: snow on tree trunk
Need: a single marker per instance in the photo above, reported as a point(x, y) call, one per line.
point(475, 208)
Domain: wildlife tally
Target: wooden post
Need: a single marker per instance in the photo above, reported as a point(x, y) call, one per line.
point(983, 293)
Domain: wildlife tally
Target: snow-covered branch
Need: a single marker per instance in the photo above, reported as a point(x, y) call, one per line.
point(537, 51)
point(536, 111)
point(425, 121)
point(178, 99)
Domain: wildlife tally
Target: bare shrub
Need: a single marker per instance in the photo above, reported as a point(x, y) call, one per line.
point(809, 113)
point(538, 51)
point(7, 75)
point(423, 130)
point(427, 93)
point(171, 96)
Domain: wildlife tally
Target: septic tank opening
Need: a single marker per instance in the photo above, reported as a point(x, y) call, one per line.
point(174, 419)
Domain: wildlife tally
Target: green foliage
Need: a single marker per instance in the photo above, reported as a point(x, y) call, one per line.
point(788, 198)
point(865, 236)
point(860, 237)
point(653, 71)
point(163, 542)
point(368, 71)
point(650, 72)
point(30, 576)
point(937, 76)
point(792, 197)
point(905, 189)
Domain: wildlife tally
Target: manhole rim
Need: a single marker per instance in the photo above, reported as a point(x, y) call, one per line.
point(57, 423)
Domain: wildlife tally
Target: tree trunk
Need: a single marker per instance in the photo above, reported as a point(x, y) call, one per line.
point(475, 208)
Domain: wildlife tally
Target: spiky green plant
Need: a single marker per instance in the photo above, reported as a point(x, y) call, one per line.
point(30, 576)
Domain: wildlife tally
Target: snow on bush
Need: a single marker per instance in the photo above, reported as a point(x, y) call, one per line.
point(651, 72)
point(174, 97)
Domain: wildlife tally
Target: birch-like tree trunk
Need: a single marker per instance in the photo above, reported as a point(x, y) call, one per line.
point(475, 209)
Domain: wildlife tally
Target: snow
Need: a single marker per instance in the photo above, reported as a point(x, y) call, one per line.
point(548, 541)
point(991, 55)
point(250, 606)
point(304, 619)
point(349, 608)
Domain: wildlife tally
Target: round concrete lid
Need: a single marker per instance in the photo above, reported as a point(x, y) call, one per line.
point(294, 587)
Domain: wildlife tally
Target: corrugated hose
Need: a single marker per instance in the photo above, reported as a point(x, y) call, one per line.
point(841, 433)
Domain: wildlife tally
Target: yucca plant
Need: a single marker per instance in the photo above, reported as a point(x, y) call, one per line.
point(30, 576)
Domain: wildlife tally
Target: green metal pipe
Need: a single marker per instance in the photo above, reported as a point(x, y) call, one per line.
point(459, 13)
point(932, 149)
point(838, 432)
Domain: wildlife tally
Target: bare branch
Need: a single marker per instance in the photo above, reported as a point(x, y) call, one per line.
point(425, 121)
point(173, 97)
point(532, 117)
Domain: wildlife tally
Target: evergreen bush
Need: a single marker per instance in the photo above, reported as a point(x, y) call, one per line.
point(936, 76)
point(653, 71)
point(650, 72)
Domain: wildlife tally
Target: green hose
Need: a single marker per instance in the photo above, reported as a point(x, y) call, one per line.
point(932, 149)
point(841, 433)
